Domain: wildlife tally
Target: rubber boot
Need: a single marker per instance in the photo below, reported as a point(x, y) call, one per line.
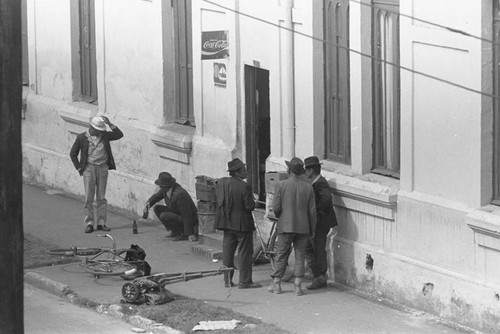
point(298, 286)
point(275, 286)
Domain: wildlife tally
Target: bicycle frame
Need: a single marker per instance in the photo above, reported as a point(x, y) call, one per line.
point(268, 253)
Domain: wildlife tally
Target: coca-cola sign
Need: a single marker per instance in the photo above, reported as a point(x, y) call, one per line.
point(214, 44)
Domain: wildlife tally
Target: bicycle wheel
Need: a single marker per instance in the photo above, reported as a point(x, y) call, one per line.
point(106, 267)
point(74, 251)
point(290, 265)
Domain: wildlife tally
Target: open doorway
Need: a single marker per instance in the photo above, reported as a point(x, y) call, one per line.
point(258, 133)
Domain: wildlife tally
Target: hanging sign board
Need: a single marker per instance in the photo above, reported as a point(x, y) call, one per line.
point(214, 44)
point(220, 74)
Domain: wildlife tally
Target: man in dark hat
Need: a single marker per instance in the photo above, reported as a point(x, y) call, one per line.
point(294, 206)
point(179, 214)
point(326, 220)
point(233, 215)
point(96, 159)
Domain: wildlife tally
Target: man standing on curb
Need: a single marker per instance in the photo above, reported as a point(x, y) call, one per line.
point(326, 221)
point(295, 208)
point(233, 215)
point(96, 159)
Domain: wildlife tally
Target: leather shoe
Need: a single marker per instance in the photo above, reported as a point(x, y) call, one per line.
point(275, 288)
point(103, 228)
point(172, 236)
point(249, 285)
point(317, 283)
point(89, 229)
point(180, 237)
point(229, 284)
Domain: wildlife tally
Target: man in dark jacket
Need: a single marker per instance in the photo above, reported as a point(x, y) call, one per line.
point(96, 159)
point(179, 215)
point(234, 216)
point(326, 220)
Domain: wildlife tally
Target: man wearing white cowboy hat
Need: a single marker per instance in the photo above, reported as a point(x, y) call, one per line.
point(96, 159)
point(295, 208)
point(179, 215)
point(234, 217)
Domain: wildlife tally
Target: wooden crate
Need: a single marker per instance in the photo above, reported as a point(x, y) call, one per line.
point(272, 178)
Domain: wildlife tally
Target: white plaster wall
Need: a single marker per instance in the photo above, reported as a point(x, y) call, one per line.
point(304, 78)
point(441, 123)
point(219, 105)
point(130, 60)
point(50, 35)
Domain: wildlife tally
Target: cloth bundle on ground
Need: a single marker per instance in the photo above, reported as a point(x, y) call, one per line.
point(137, 256)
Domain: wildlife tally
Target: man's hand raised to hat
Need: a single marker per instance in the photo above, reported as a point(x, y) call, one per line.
point(106, 120)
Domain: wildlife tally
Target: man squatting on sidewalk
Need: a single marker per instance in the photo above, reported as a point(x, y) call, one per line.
point(179, 215)
point(96, 159)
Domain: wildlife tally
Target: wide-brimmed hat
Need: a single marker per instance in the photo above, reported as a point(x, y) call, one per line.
point(165, 179)
point(234, 164)
point(311, 162)
point(97, 123)
point(296, 165)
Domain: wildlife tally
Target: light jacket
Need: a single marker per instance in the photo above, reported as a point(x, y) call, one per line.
point(294, 206)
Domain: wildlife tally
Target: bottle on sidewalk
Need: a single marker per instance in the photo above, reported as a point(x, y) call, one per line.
point(134, 227)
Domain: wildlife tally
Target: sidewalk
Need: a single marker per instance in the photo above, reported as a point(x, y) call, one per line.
point(58, 219)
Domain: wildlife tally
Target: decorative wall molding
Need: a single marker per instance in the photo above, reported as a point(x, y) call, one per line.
point(174, 142)
point(76, 116)
point(485, 222)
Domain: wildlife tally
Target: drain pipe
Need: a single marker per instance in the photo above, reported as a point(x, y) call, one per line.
point(288, 81)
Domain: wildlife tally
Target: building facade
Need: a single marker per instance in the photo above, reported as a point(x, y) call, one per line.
point(397, 98)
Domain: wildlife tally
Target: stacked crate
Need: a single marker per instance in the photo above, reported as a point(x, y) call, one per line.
point(205, 194)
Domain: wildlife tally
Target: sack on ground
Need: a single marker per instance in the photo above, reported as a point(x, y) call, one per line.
point(137, 254)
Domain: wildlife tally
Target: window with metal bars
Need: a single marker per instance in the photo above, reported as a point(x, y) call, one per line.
point(496, 104)
point(88, 66)
point(338, 133)
point(386, 88)
point(184, 61)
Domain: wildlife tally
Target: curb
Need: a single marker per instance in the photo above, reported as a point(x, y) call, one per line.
point(115, 311)
point(47, 284)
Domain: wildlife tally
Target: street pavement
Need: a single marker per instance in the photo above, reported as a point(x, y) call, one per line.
point(45, 313)
point(57, 218)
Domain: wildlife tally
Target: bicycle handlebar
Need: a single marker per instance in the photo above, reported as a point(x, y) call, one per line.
point(108, 236)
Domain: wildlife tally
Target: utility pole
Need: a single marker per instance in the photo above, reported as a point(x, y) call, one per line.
point(11, 206)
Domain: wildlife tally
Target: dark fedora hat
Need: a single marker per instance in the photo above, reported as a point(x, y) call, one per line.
point(165, 179)
point(311, 162)
point(234, 164)
point(296, 165)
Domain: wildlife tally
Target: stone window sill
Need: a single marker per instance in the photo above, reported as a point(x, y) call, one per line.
point(372, 194)
point(174, 142)
point(76, 115)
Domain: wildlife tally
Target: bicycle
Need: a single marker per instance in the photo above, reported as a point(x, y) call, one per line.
point(104, 261)
point(268, 249)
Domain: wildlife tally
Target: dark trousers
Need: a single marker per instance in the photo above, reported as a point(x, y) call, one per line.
point(170, 220)
point(285, 242)
point(243, 241)
point(316, 253)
